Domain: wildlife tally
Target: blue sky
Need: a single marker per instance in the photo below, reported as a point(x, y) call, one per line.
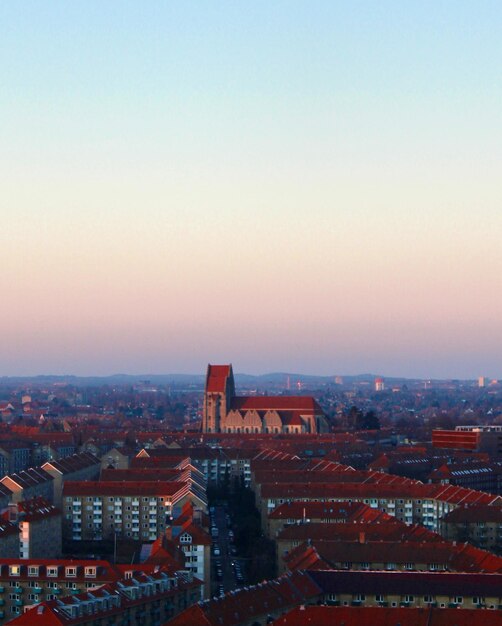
point(285, 185)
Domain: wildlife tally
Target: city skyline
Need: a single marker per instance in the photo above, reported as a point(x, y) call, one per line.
point(286, 186)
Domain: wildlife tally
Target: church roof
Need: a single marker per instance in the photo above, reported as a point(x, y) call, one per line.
point(216, 377)
point(303, 404)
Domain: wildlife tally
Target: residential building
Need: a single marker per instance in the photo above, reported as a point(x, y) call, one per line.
point(39, 523)
point(81, 466)
point(28, 484)
point(139, 599)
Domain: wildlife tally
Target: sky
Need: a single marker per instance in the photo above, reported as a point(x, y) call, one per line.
point(310, 186)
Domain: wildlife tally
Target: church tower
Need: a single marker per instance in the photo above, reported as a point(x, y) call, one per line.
point(220, 389)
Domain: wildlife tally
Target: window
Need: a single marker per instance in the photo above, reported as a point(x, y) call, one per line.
point(52, 571)
point(379, 598)
point(71, 572)
point(14, 570)
point(409, 599)
point(90, 572)
point(14, 596)
point(428, 600)
point(458, 600)
point(409, 566)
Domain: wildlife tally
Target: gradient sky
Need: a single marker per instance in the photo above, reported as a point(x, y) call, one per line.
point(308, 186)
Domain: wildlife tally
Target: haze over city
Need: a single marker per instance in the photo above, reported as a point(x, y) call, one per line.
point(288, 186)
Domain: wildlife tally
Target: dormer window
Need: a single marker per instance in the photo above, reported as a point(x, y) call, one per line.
point(90, 572)
point(32, 570)
point(14, 570)
point(185, 538)
point(52, 571)
point(71, 572)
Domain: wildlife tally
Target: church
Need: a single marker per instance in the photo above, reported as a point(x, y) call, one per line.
point(225, 412)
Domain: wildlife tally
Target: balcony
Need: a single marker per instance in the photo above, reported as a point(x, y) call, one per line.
point(56, 590)
point(18, 603)
point(36, 589)
point(2, 602)
point(2, 589)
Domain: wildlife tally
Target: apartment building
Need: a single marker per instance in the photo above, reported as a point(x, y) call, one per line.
point(5, 496)
point(9, 539)
point(409, 589)
point(15, 456)
point(380, 616)
point(25, 582)
point(253, 605)
point(371, 553)
point(477, 524)
point(97, 510)
point(409, 502)
point(195, 543)
point(321, 512)
point(39, 523)
point(81, 466)
point(140, 599)
point(28, 484)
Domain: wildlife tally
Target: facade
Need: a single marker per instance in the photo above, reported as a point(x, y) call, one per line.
point(410, 589)
point(225, 412)
point(26, 582)
point(9, 539)
point(14, 457)
point(195, 543)
point(39, 524)
point(141, 510)
point(475, 438)
point(479, 525)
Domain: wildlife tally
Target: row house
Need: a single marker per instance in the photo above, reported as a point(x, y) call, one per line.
point(140, 599)
point(31, 483)
point(81, 466)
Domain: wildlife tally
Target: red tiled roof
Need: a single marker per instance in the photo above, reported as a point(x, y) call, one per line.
point(143, 488)
point(305, 405)
point(383, 616)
